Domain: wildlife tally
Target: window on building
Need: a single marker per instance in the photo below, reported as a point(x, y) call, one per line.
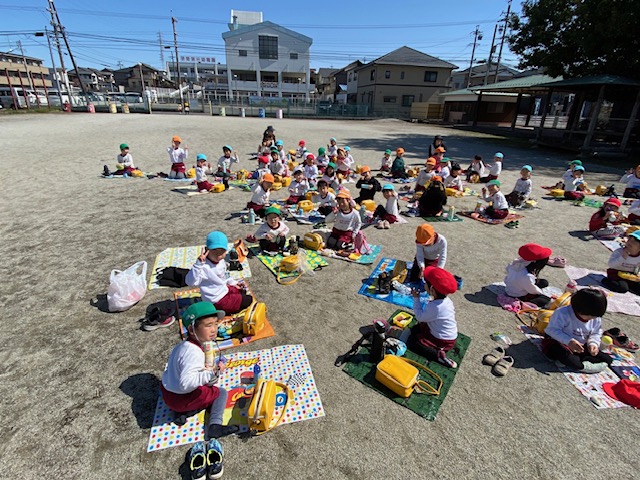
point(430, 76)
point(355, 76)
point(401, 75)
point(293, 56)
point(495, 107)
point(407, 100)
point(242, 53)
point(267, 47)
point(389, 99)
point(373, 75)
point(350, 77)
point(387, 74)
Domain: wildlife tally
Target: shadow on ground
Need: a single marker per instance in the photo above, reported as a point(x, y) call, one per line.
point(143, 390)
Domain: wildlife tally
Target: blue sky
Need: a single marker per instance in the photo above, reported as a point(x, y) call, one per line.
point(355, 30)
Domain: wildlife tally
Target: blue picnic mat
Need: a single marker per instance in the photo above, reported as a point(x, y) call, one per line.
point(368, 288)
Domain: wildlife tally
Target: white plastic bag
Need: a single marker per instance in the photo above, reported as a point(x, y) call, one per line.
point(127, 288)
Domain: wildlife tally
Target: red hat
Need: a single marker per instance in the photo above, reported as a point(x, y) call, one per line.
point(301, 142)
point(263, 159)
point(443, 282)
point(613, 201)
point(624, 391)
point(532, 252)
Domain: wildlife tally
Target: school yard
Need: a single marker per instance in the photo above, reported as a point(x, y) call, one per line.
point(78, 386)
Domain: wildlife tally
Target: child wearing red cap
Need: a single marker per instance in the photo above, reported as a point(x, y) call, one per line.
point(574, 332)
point(263, 167)
point(522, 280)
point(624, 260)
point(301, 150)
point(367, 184)
point(177, 156)
point(431, 250)
point(311, 171)
point(602, 223)
point(437, 330)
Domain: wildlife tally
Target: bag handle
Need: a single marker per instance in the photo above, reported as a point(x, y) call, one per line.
point(285, 389)
point(422, 386)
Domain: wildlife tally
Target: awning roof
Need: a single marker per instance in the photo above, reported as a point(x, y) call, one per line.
point(518, 85)
point(591, 80)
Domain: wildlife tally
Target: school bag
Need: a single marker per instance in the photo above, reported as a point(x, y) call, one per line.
point(263, 404)
point(360, 244)
point(538, 319)
point(254, 318)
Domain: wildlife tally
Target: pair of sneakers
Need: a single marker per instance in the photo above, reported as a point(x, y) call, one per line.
point(206, 460)
point(158, 318)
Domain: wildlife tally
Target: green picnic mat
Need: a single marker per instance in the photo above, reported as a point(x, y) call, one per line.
point(456, 218)
point(314, 262)
point(426, 406)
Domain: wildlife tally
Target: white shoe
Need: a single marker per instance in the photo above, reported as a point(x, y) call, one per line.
point(589, 367)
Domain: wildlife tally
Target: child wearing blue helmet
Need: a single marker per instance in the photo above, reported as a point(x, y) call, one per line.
point(390, 212)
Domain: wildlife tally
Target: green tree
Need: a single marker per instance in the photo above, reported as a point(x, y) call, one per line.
point(579, 37)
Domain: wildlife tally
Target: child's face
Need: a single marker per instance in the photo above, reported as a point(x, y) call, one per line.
point(497, 159)
point(274, 156)
point(428, 167)
point(266, 185)
point(175, 144)
point(454, 173)
point(525, 174)
point(227, 153)
point(206, 329)
point(632, 246)
point(323, 190)
point(610, 208)
point(309, 161)
point(387, 194)
point(577, 173)
point(399, 154)
point(298, 177)
point(279, 147)
point(387, 155)
point(492, 189)
point(124, 151)
point(343, 204)
point(332, 143)
point(273, 220)
point(329, 171)
point(217, 254)
point(366, 175)
point(201, 163)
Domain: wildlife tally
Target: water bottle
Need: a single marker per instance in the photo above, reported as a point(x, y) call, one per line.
point(572, 287)
point(252, 217)
point(451, 213)
point(401, 288)
point(478, 205)
point(209, 354)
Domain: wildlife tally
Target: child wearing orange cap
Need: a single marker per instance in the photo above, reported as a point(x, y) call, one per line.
point(603, 223)
point(431, 250)
point(632, 181)
point(260, 194)
point(385, 163)
point(437, 331)
point(437, 143)
point(433, 199)
point(397, 168)
point(346, 225)
point(367, 184)
point(178, 156)
point(522, 280)
point(425, 176)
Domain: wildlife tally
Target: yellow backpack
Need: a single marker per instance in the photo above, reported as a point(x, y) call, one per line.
point(556, 192)
point(313, 241)
point(539, 318)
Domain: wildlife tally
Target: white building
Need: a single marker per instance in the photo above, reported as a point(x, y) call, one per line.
point(199, 70)
point(265, 59)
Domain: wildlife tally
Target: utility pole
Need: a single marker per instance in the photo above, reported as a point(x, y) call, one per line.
point(66, 42)
point(161, 49)
point(477, 35)
point(56, 34)
point(493, 41)
point(175, 46)
point(26, 68)
point(53, 63)
point(504, 34)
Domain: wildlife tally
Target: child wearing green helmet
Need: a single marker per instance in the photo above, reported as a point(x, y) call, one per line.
point(187, 385)
point(498, 207)
point(322, 160)
point(124, 165)
point(272, 234)
point(385, 163)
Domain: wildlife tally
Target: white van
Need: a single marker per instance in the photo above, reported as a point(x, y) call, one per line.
point(9, 96)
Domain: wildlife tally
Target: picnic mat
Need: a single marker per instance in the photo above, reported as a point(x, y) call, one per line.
point(367, 259)
point(368, 288)
point(313, 260)
point(627, 303)
point(303, 218)
point(611, 245)
point(110, 177)
point(185, 298)
point(499, 289)
point(179, 179)
point(185, 257)
point(284, 363)
point(192, 190)
point(493, 221)
point(589, 384)
point(426, 406)
point(587, 202)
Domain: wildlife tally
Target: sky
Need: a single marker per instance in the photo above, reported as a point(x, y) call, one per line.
point(123, 33)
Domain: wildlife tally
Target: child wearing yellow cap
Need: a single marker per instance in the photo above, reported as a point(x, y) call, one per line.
point(177, 155)
point(431, 250)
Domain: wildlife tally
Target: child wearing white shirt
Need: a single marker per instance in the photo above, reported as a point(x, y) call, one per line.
point(573, 189)
point(298, 187)
point(125, 161)
point(522, 280)
point(495, 169)
point(522, 189)
point(425, 176)
point(626, 260)
point(201, 173)
point(330, 176)
point(332, 148)
point(346, 225)
point(498, 208)
point(260, 194)
point(454, 180)
point(385, 163)
point(476, 170)
point(177, 156)
point(272, 235)
point(325, 199)
point(390, 212)
point(431, 250)
point(632, 181)
point(310, 170)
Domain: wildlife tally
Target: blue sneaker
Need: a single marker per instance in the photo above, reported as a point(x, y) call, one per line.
point(198, 461)
point(215, 459)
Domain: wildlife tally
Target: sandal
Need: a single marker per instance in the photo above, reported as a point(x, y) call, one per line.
point(494, 356)
point(558, 262)
point(621, 340)
point(512, 224)
point(502, 367)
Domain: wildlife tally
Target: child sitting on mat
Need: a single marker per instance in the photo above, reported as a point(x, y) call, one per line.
point(263, 167)
point(188, 386)
point(625, 260)
point(332, 148)
point(495, 168)
point(522, 280)
point(574, 333)
point(124, 165)
point(260, 194)
point(523, 188)
point(632, 181)
point(385, 163)
point(367, 184)
point(201, 173)
point(425, 175)
point(224, 164)
point(277, 166)
point(322, 160)
point(325, 200)
point(298, 187)
point(603, 223)
point(437, 330)
point(330, 176)
point(498, 208)
point(476, 170)
point(302, 149)
point(397, 167)
point(390, 212)
point(431, 251)
point(433, 199)
point(573, 188)
point(272, 235)
point(210, 274)
point(178, 156)
point(344, 164)
point(310, 170)
point(454, 180)
point(346, 225)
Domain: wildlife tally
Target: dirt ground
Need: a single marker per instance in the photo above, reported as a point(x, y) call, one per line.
point(78, 386)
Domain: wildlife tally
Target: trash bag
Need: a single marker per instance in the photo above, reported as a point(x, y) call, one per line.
point(126, 288)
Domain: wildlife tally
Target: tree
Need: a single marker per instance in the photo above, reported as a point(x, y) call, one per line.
point(575, 38)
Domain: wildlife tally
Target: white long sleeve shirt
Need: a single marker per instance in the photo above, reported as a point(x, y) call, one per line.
point(618, 262)
point(635, 208)
point(265, 230)
point(454, 182)
point(332, 150)
point(298, 189)
point(440, 315)
point(498, 200)
point(424, 177)
point(348, 221)
point(573, 184)
point(260, 196)
point(495, 169)
point(311, 172)
point(224, 163)
point(631, 180)
point(386, 161)
point(392, 205)
point(277, 167)
point(331, 181)
point(567, 177)
point(524, 186)
point(437, 250)
point(322, 160)
point(201, 174)
point(519, 282)
point(212, 279)
point(565, 326)
point(478, 167)
point(329, 200)
point(345, 163)
point(127, 160)
point(177, 155)
point(185, 369)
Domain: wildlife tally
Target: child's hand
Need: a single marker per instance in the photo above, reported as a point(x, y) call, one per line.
point(203, 256)
point(222, 366)
point(415, 293)
point(268, 236)
point(575, 346)
point(484, 190)
point(593, 349)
